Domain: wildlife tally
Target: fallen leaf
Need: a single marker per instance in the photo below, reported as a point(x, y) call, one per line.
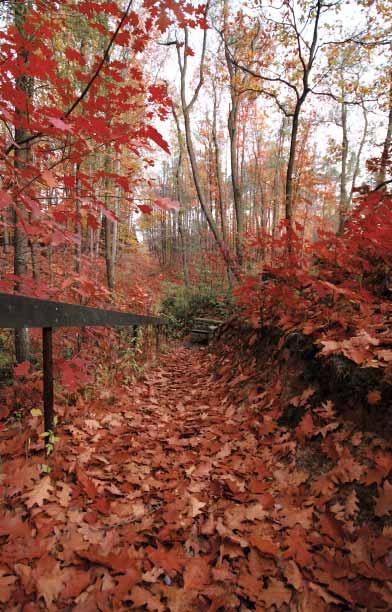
point(267, 547)
point(65, 494)
point(7, 587)
point(142, 597)
point(196, 506)
point(197, 573)
point(384, 500)
point(42, 491)
point(276, 594)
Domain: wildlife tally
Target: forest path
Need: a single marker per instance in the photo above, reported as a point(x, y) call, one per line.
point(167, 495)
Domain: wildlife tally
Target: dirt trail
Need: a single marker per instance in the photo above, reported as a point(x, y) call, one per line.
point(166, 496)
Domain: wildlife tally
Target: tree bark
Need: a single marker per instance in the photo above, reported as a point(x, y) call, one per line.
point(359, 154)
point(381, 176)
point(218, 169)
point(78, 247)
point(232, 125)
point(275, 189)
point(186, 108)
point(22, 158)
point(108, 229)
point(343, 199)
point(179, 195)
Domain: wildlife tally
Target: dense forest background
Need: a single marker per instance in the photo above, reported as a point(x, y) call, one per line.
point(161, 151)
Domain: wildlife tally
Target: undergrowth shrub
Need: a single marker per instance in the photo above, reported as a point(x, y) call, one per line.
point(336, 291)
point(182, 304)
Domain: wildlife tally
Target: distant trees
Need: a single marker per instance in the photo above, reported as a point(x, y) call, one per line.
point(248, 163)
point(302, 61)
point(77, 112)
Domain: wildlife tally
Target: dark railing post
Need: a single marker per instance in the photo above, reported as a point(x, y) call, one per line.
point(157, 337)
point(47, 355)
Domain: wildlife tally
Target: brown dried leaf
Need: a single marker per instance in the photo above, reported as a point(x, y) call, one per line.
point(7, 587)
point(276, 594)
point(384, 500)
point(42, 491)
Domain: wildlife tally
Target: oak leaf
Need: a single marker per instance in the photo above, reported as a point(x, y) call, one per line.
point(298, 548)
point(13, 525)
point(255, 512)
point(65, 494)
point(7, 583)
point(323, 593)
point(352, 504)
point(50, 580)
point(142, 597)
point(172, 560)
point(25, 574)
point(276, 594)
point(266, 547)
point(197, 573)
point(251, 585)
point(87, 484)
point(293, 575)
point(384, 500)
point(196, 506)
point(305, 429)
point(223, 573)
point(42, 491)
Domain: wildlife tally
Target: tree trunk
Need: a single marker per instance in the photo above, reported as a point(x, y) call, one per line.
point(381, 176)
point(108, 231)
point(275, 188)
point(359, 154)
point(22, 158)
point(191, 151)
point(289, 199)
point(179, 195)
point(232, 125)
point(218, 171)
point(343, 200)
point(78, 228)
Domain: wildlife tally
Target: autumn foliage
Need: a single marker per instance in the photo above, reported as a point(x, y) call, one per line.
point(254, 474)
point(336, 290)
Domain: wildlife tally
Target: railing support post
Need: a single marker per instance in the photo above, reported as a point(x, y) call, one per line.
point(48, 393)
point(157, 337)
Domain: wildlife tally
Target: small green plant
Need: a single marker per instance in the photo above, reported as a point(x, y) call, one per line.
point(45, 468)
point(16, 416)
point(182, 304)
point(50, 436)
point(50, 442)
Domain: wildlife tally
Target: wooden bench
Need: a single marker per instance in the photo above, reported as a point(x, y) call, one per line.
point(203, 330)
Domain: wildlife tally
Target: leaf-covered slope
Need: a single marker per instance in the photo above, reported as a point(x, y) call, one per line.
point(184, 493)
